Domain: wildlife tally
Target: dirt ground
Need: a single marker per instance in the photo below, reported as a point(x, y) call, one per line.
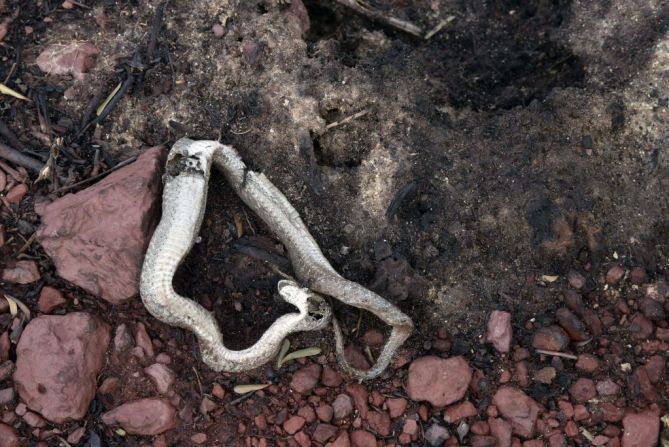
point(522, 141)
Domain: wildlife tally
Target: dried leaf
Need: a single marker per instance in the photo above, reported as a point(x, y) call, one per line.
point(13, 308)
point(284, 349)
point(549, 278)
point(249, 388)
point(102, 106)
point(306, 352)
point(11, 92)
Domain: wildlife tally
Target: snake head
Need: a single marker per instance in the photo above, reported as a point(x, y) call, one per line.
point(306, 300)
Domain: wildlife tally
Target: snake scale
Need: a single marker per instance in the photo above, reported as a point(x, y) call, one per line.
point(184, 200)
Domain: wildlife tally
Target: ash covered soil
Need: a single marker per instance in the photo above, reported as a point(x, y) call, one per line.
point(514, 161)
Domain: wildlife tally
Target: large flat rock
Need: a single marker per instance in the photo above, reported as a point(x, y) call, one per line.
point(97, 237)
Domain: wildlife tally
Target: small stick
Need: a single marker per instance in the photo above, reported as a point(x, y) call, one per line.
point(18, 158)
point(155, 30)
point(90, 179)
point(27, 244)
point(362, 8)
point(347, 119)
point(557, 354)
point(11, 137)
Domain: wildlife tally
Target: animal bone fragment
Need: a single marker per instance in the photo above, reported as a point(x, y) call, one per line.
point(184, 200)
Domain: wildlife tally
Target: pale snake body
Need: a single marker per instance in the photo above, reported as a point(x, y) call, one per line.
point(184, 201)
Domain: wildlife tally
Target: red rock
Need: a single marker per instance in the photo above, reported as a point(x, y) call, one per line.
point(611, 413)
point(557, 440)
point(583, 390)
point(143, 340)
point(518, 408)
point(587, 363)
point(483, 441)
point(580, 413)
point(606, 388)
point(614, 274)
point(342, 407)
point(521, 374)
point(600, 440)
point(97, 237)
point(150, 416)
point(638, 276)
point(480, 428)
point(307, 413)
point(658, 291)
point(122, 338)
point(216, 390)
point(574, 327)
point(49, 299)
point(355, 357)
point(566, 408)
point(438, 381)
point(324, 432)
point(551, 338)
point(34, 420)
point(58, 360)
point(410, 427)
point(640, 327)
point(520, 354)
point(6, 396)
point(76, 436)
point(546, 375)
point(341, 441)
point(655, 367)
point(575, 279)
point(199, 438)
point(161, 376)
point(108, 385)
point(207, 406)
point(361, 438)
point(17, 193)
point(593, 321)
point(570, 429)
point(325, 412)
point(652, 309)
point(330, 377)
point(23, 272)
point(573, 301)
point(305, 379)
point(500, 430)
point(373, 338)
point(639, 381)
point(293, 424)
point(75, 58)
point(460, 411)
point(641, 429)
point(396, 406)
point(435, 435)
point(533, 443)
point(8, 436)
point(359, 394)
point(662, 333)
point(379, 422)
point(505, 376)
point(499, 330)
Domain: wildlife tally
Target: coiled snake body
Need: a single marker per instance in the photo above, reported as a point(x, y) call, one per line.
point(184, 201)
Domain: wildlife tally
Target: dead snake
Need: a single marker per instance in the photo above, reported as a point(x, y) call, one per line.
point(184, 201)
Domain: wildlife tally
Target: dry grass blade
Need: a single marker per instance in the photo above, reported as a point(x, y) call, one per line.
point(13, 308)
point(306, 352)
point(103, 106)
point(284, 349)
point(11, 92)
point(250, 388)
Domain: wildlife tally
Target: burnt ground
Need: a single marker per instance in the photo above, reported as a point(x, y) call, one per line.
point(524, 139)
